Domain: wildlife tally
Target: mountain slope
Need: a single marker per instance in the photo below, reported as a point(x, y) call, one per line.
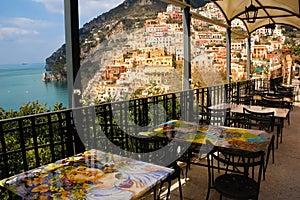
point(130, 14)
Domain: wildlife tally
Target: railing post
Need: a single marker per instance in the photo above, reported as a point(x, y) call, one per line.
point(208, 96)
point(22, 144)
point(35, 142)
point(174, 113)
point(145, 109)
point(69, 132)
point(227, 93)
point(4, 170)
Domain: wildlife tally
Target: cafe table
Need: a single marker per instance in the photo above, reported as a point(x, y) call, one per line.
point(204, 137)
point(238, 108)
point(90, 175)
point(279, 113)
point(229, 137)
point(288, 100)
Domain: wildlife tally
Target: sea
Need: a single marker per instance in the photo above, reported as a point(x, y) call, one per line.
point(22, 83)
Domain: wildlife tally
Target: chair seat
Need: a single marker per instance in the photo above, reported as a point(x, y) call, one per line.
point(236, 186)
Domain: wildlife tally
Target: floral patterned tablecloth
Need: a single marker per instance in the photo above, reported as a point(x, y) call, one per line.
point(238, 138)
point(91, 175)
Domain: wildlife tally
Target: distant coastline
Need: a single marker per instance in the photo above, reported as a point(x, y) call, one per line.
point(49, 77)
point(22, 84)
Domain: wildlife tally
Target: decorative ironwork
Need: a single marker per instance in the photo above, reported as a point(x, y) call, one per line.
point(251, 13)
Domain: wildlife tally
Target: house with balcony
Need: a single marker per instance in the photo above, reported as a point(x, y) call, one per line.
point(259, 51)
point(29, 142)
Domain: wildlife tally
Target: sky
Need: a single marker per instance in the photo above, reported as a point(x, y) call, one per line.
point(31, 30)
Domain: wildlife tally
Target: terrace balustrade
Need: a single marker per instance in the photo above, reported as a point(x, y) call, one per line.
point(31, 141)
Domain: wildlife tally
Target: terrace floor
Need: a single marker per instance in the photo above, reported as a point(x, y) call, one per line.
point(282, 178)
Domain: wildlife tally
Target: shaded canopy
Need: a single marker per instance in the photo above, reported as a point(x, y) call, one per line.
point(269, 11)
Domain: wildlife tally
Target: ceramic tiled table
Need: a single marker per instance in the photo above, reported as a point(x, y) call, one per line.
point(91, 175)
point(238, 138)
point(206, 137)
point(279, 113)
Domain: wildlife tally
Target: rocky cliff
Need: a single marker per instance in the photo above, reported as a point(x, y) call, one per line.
point(130, 14)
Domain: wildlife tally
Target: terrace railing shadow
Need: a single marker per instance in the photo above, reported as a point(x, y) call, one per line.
point(31, 141)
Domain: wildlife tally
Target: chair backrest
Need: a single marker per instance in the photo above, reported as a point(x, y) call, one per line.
point(273, 97)
point(219, 117)
point(285, 93)
point(260, 92)
point(155, 149)
point(235, 161)
point(245, 100)
point(274, 101)
point(259, 120)
point(284, 88)
point(143, 146)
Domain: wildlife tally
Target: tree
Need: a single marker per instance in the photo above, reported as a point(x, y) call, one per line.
point(29, 108)
point(295, 50)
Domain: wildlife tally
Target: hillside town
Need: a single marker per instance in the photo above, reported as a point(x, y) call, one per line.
point(150, 60)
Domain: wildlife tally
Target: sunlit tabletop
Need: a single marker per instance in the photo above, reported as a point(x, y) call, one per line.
point(285, 99)
point(236, 138)
point(89, 176)
point(238, 108)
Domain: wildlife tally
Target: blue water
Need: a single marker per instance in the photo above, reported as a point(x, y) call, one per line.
point(22, 83)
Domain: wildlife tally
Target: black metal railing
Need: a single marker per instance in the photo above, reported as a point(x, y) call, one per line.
point(32, 141)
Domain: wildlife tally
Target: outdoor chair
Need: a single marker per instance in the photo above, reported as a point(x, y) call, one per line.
point(245, 99)
point(273, 97)
point(144, 146)
point(260, 92)
point(284, 88)
point(261, 121)
point(272, 101)
point(277, 102)
point(286, 92)
point(241, 175)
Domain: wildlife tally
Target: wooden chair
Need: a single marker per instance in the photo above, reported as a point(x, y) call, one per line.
point(241, 175)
